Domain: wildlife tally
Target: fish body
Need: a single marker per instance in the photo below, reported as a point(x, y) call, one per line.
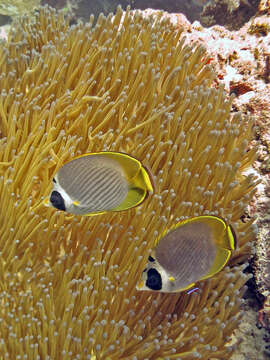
point(98, 183)
point(193, 250)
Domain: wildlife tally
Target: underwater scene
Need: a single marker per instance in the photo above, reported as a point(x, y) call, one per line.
point(134, 179)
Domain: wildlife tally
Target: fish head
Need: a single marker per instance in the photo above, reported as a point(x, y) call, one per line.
point(155, 278)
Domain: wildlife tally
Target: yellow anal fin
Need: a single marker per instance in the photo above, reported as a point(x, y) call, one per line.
point(186, 288)
point(97, 213)
point(221, 259)
point(134, 197)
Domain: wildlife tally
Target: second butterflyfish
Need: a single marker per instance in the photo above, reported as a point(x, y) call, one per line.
point(97, 183)
point(195, 249)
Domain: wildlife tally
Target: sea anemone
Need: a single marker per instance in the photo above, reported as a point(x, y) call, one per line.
point(68, 283)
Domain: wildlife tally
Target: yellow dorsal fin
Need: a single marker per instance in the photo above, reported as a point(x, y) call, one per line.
point(129, 164)
point(223, 234)
point(137, 175)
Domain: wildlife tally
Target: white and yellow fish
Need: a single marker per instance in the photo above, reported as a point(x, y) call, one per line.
point(193, 250)
point(97, 183)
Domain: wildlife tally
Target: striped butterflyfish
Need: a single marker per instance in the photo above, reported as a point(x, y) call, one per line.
point(195, 249)
point(97, 183)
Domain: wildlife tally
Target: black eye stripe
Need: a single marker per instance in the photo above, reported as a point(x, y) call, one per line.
point(57, 201)
point(54, 180)
point(151, 259)
point(154, 281)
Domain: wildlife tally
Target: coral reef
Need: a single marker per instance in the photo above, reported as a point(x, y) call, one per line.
point(18, 7)
point(260, 26)
point(231, 13)
point(264, 7)
point(67, 284)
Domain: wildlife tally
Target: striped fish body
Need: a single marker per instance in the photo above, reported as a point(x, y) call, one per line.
point(97, 183)
point(194, 250)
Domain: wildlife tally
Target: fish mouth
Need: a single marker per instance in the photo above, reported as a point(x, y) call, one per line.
point(46, 202)
point(140, 285)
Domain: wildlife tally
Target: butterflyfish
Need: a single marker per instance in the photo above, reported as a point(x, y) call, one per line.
point(195, 249)
point(97, 183)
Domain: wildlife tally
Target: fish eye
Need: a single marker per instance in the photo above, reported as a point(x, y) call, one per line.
point(151, 259)
point(54, 180)
point(57, 201)
point(154, 281)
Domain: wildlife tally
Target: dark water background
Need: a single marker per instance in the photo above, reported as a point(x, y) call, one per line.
point(232, 14)
point(209, 12)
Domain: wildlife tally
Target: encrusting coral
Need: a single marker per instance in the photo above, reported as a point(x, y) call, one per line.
point(67, 283)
